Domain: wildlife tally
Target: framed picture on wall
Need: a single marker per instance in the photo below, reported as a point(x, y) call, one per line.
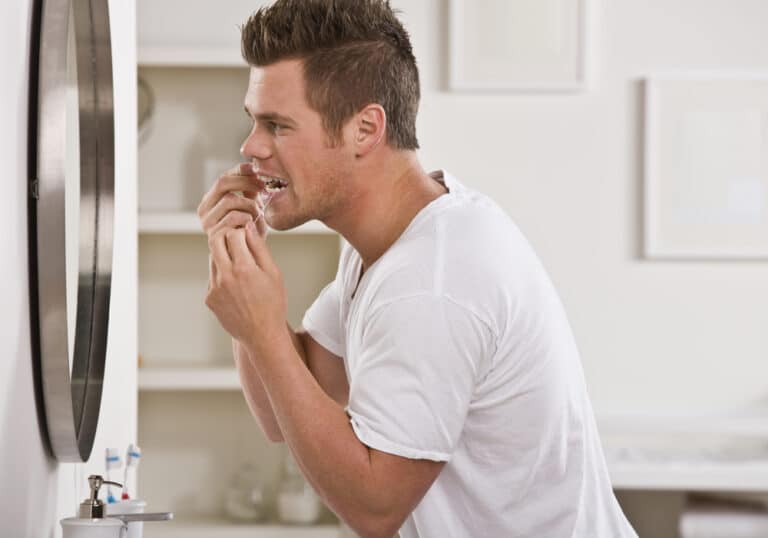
point(518, 45)
point(706, 167)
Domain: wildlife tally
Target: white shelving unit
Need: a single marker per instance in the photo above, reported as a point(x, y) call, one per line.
point(195, 429)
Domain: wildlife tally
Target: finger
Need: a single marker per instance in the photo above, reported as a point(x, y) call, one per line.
point(259, 250)
point(212, 271)
point(247, 169)
point(238, 249)
point(218, 247)
point(229, 202)
point(243, 169)
point(239, 179)
point(233, 219)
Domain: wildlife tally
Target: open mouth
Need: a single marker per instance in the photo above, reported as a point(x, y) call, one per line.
point(273, 184)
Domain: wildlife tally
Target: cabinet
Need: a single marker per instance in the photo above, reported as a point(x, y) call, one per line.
point(194, 426)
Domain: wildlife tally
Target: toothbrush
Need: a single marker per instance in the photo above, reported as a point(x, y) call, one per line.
point(131, 460)
point(113, 462)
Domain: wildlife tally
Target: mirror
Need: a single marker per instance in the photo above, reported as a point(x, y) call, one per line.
point(71, 216)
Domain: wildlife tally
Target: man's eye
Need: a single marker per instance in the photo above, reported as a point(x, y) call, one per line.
point(274, 127)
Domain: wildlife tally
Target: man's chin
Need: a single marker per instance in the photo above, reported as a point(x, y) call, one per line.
point(282, 223)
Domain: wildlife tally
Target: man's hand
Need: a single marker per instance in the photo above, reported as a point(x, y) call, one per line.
point(247, 297)
point(246, 290)
point(221, 208)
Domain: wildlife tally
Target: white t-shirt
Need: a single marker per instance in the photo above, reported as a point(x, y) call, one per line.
point(457, 349)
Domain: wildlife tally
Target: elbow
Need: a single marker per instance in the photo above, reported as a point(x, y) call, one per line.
point(379, 533)
point(376, 526)
point(383, 532)
point(379, 513)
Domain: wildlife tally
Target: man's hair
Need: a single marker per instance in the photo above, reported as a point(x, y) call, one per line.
point(354, 52)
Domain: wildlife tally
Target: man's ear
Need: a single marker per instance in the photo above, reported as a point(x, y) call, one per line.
point(370, 129)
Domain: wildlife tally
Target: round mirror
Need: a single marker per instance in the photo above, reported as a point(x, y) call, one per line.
point(72, 217)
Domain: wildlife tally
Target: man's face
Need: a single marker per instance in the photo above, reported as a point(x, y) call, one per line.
point(288, 142)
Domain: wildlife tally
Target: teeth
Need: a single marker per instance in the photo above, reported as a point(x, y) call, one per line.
point(273, 184)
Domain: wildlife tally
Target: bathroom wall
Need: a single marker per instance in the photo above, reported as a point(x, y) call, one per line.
point(28, 477)
point(35, 491)
point(654, 336)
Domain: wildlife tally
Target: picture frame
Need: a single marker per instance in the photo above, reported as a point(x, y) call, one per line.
point(518, 45)
point(706, 167)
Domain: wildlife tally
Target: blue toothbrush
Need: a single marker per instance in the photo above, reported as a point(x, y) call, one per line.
point(113, 462)
point(131, 460)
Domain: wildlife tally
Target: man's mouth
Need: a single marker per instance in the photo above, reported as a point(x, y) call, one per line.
point(273, 184)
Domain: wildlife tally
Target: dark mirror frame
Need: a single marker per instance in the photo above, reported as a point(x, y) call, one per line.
point(70, 399)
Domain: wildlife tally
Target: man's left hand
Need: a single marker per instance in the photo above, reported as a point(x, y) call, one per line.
point(246, 290)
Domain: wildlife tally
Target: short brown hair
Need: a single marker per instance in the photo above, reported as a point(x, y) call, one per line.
point(355, 52)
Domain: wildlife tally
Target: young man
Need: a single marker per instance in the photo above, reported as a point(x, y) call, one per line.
point(437, 389)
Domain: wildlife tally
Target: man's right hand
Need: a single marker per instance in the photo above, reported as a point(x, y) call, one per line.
point(221, 209)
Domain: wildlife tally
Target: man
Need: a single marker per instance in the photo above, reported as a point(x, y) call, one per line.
point(436, 389)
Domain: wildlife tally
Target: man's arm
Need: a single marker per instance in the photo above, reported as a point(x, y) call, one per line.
point(326, 368)
point(220, 209)
point(372, 491)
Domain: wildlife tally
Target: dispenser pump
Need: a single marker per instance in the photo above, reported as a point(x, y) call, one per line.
point(93, 508)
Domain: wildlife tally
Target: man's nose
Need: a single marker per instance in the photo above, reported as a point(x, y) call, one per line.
point(256, 146)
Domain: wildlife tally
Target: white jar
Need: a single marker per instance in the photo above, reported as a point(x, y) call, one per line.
point(297, 502)
point(244, 498)
point(76, 527)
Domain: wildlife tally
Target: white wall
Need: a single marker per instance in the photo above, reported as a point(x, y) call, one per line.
point(654, 336)
point(27, 475)
point(36, 491)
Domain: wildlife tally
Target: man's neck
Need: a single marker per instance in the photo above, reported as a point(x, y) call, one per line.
point(383, 205)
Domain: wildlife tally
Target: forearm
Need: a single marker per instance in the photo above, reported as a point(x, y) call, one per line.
point(253, 388)
point(254, 393)
point(318, 431)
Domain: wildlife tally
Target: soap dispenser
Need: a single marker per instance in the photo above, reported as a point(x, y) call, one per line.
point(91, 522)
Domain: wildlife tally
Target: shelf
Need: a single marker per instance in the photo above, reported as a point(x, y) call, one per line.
point(734, 423)
point(188, 378)
point(187, 57)
point(718, 451)
point(747, 476)
point(189, 223)
point(226, 529)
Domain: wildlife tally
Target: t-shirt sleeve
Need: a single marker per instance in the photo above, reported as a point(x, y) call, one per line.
point(411, 387)
point(323, 320)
